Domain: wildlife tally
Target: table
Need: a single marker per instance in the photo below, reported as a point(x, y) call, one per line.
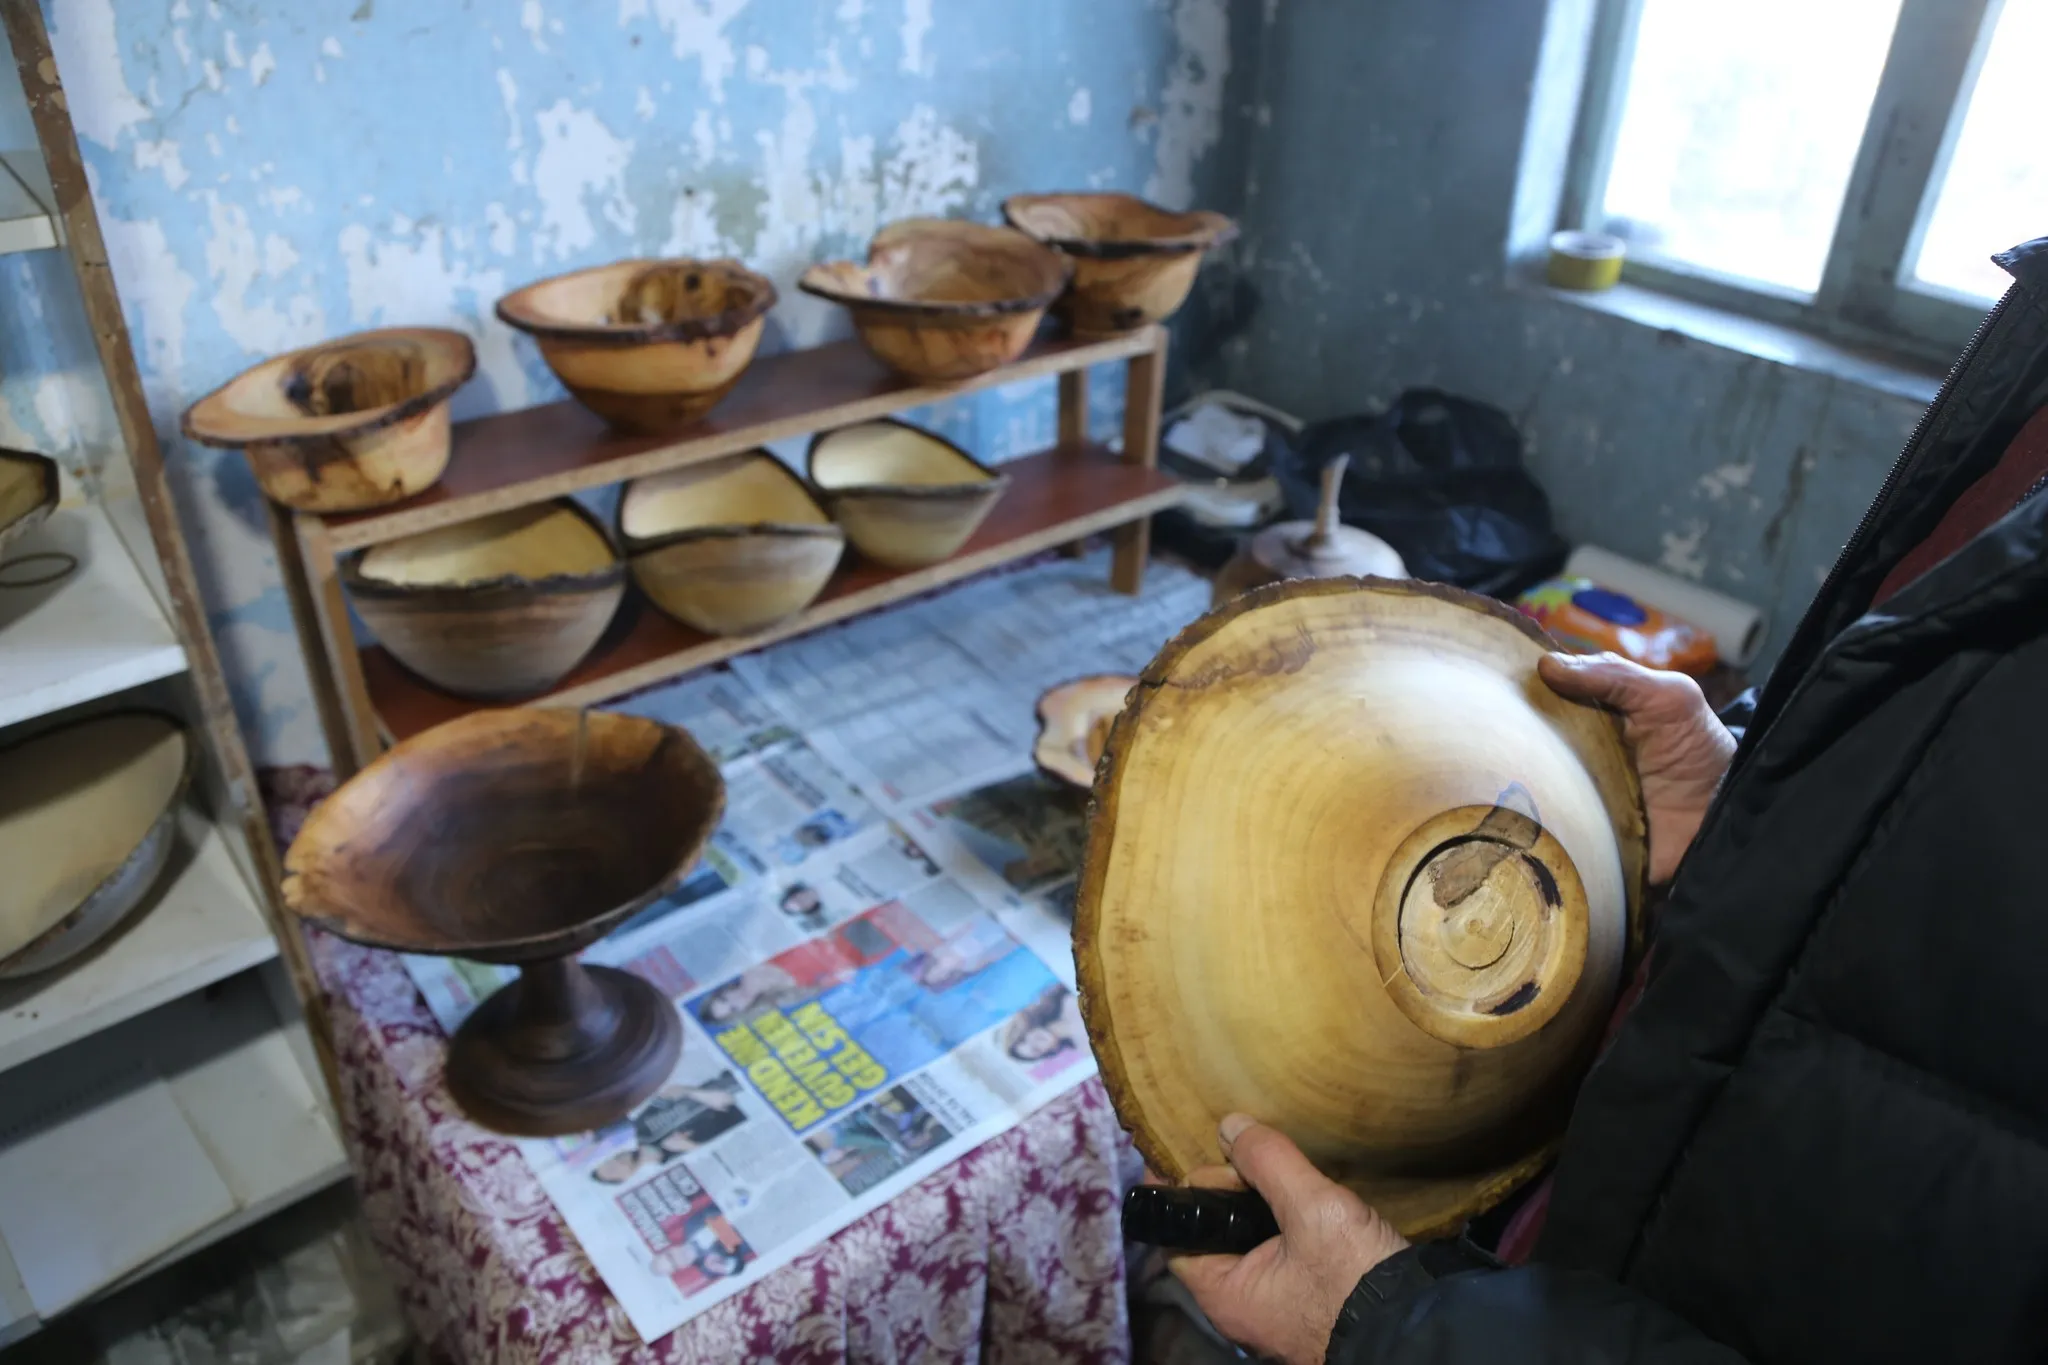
point(1011, 1254)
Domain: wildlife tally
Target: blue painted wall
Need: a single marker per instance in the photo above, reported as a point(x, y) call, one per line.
point(273, 173)
point(1385, 143)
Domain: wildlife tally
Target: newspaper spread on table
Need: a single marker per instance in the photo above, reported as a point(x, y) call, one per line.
point(873, 960)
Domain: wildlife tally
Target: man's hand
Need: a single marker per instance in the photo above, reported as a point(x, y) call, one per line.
point(1281, 1298)
point(1681, 747)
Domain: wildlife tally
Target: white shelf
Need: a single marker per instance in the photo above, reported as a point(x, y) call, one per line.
point(26, 223)
point(153, 1140)
point(96, 632)
point(203, 927)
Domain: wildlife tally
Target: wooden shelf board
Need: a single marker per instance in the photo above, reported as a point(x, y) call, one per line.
point(517, 458)
point(94, 633)
point(203, 927)
point(1054, 497)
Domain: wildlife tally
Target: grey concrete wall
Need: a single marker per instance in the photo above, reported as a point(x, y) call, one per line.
point(1385, 143)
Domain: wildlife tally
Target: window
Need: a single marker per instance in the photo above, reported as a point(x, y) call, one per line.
point(1847, 166)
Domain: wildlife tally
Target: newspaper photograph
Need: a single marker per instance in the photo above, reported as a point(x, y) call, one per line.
point(872, 962)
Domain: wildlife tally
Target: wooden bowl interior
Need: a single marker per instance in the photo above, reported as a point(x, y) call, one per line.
point(891, 455)
point(74, 803)
point(749, 489)
point(1074, 721)
point(1114, 220)
point(643, 297)
point(549, 540)
point(947, 265)
point(342, 385)
point(515, 832)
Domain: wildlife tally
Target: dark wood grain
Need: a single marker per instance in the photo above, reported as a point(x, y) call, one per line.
point(1053, 497)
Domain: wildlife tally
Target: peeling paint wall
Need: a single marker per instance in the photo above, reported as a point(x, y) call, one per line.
point(1384, 152)
point(272, 174)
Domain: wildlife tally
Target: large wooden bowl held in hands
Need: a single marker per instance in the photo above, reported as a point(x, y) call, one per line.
point(497, 608)
point(940, 300)
point(731, 546)
point(1355, 871)
point(650, 346)
point(906, 497)
point(1134, 262)
point(522, 836)
point(28, 492)
point(348, 424)
point(88, 821)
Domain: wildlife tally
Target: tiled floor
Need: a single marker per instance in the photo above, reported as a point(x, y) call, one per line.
point(301, 1289)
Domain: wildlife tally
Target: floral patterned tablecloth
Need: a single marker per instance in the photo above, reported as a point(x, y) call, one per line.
point(1011, 1254)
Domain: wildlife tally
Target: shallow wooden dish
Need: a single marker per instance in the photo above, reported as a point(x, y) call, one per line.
point(1074, 721)
point(906, 497)
point(1355, 871)
point(28, 492)
point(730, 546)
point(940, 300)
point(1134, 262)
point(88, 820)
point(358, 422)
point(648, 345)
point(522, 836)
point(497, 608)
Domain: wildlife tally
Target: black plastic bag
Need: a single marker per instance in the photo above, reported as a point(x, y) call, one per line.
point(1440, 479)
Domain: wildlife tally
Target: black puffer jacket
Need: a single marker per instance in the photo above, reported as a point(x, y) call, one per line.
point(1822, 1136)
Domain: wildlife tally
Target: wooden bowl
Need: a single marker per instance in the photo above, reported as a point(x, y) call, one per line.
point(906, 497)
point(730, 546)
point(522, 836)
point(88, 819)
point(1323, 548)
point(1134, 262)
point(940, 300)
point(497, 608)
point(348, 424)
point(1355, 871)
point(28, 492)
point(1074, 721)
point(650, 346)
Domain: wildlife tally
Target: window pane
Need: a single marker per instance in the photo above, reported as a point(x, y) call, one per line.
point(1995, 194)
point(1739, 129)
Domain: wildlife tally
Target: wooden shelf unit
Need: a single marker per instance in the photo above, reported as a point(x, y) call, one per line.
point(1056, 497)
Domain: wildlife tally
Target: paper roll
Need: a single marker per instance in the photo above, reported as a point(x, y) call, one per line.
point(1737, 627)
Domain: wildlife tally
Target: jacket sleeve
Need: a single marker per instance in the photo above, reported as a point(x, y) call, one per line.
point(1530, 1315)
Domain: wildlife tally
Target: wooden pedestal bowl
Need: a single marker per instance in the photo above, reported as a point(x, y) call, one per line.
point(498, 608)
point(906, 497)
point(88, 822)
point(522, 836)
point(1074, 721)
point(1323, 548)
point(730, 546)
point(650, 346)
point(28, 492)
point(1355, 871)
point(1134, 262)
point(941, 301)
point(349, 424)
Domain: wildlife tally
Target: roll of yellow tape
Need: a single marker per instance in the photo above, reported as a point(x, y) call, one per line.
point(1585, 260)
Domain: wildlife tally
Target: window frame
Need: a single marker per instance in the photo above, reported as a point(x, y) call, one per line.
point(1866, 297)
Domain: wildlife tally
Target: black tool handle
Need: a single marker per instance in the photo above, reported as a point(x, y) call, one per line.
point(1197, 1222)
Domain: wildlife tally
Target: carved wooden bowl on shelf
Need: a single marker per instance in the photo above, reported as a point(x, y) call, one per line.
point(1134, 262)
point(494, 609)
point(1355, 871)
point(28, 492)
point(730, 546)
point(88, 822)
point(906, 497)
point(358, 422)
point(940, 300)
point(648, 345)
point(522, 836)
point(1074, 721)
